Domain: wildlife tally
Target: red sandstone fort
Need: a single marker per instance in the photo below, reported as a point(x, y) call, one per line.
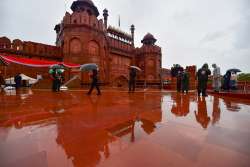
point(82, 37)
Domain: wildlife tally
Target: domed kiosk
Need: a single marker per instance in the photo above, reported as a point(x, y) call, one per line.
point(82, 5)
point(149, 39)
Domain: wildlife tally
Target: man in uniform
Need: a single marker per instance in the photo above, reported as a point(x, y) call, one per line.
point(185, 82)
point(202, 76)
point(18, 80)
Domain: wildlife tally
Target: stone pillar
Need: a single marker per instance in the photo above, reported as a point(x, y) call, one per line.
point(105, 16)
point(132, 29)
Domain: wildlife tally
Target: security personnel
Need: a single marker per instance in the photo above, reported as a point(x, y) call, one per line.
point(202, 76)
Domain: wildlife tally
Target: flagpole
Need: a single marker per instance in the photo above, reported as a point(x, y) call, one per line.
point(119, 21)
point(65, 5)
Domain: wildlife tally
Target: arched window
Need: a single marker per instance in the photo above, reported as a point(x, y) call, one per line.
point(75, 46)
point(94, 52)
point(150, 63)
point(93, 48)
point(150, 77)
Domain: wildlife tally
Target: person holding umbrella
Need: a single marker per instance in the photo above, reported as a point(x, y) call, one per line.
point(233, 81)
point(94, 83)
point(233, 78)
point(132, 79)
point(94, 76)
point(56, 75)
point(230, 79)
point(202, 76)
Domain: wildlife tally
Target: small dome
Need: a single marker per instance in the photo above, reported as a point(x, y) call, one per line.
point(148, 36)
point(5, 39)
point(105, 10)
point(17, 41)
point(148, 39)
point(81, 3)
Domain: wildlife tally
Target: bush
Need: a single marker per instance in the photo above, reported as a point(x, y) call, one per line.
point(244, 77)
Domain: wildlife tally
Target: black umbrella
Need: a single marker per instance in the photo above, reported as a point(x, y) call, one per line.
point(235, 70)
point(57, 66)
point(89, 67)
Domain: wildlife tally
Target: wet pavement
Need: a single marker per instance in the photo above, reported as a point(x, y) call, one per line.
point(117, 129)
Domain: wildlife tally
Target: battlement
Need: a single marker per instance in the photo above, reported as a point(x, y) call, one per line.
point(147, 49)
point(119, 40)
point(119, 34)
point(29, 48)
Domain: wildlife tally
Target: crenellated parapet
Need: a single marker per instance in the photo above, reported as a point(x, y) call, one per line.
point(151, 49)
point(119, 34)
point(120, 41)
point(5, 43)
point(78, 21)
point(30, 49)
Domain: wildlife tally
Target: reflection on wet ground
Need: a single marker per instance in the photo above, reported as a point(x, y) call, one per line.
point(117, 129)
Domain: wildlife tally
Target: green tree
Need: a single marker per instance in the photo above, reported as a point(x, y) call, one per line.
point(244, 77)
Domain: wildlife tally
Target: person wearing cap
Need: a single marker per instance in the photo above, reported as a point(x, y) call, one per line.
point(185, 82)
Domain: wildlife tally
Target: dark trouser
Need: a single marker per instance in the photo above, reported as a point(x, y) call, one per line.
point(94, 84)
point(18, 85)
point(185, 86)
point(56, 85)
point(131, 85)
point(178, 85)
point(185, 89)
point(202, 88)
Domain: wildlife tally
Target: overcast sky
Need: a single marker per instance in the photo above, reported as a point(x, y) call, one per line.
point(189, 31)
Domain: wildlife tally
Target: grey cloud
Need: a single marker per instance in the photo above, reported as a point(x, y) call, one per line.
point(210, 37)
point(243, 27)
point(189, 32)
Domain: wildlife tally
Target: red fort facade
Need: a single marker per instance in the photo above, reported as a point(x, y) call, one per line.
point(84, 38)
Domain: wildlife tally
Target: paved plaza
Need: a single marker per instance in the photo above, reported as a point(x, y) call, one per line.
point(39, 128)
